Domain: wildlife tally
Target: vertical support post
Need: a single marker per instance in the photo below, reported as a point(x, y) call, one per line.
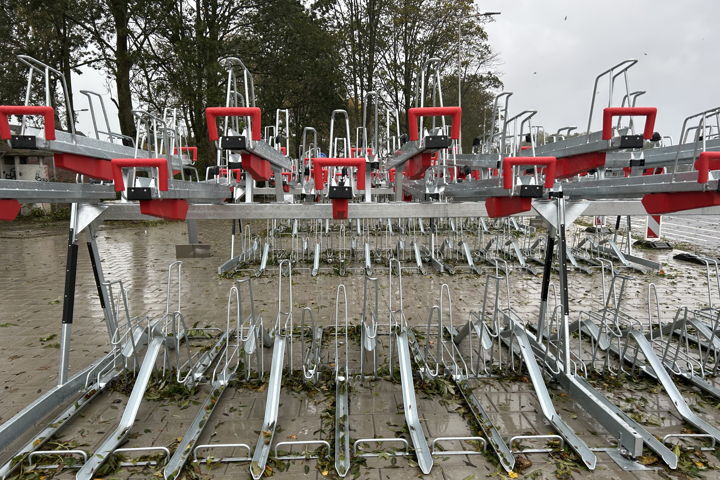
point(192, 231)
point(249, 186)
point(68, 298)
point(398, 185)
point(279, 192)
point(232, 241)
point(629, 235)
point(560, 202)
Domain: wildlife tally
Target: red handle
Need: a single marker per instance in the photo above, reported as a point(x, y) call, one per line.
point(211, 114)
point(192, 150)
point(648, 112)
point(47, 112)
point(118, 164)
point(509, 162)
point(707, 161)
point(415, 113)
point(354, 151)
point(320, 163)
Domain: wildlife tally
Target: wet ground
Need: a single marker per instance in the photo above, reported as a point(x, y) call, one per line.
point(31, 286)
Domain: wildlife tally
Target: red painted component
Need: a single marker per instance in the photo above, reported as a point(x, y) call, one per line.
point(707, 161)
point(648, 112)
point(286, 186)
point(324, 174)
point(320, 163)
point(172, 209)
point(415, 113)
point(88, 166)
point(547, 162)
point(47, 112)
point(192, 150)
point(258, 167)
point(415, 167)
point(475, 174)
point(119, 163)
point(407, 197)
point(340, 207)
point(577, 164)
point(236, 171)
point(283, 150)
point(355, 151)
point(211, 114)
point(9, 209)
point(525, 147)
point(659, 203)
point(504, 206)
point(391, 173)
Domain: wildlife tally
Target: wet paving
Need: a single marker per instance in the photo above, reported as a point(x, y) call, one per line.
point(31, 286)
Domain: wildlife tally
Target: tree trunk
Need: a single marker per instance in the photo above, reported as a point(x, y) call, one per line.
point(123, 65)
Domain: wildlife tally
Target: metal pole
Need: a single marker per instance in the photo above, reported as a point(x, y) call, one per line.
point(560, 202)
point(69, 298)
point(547, 270)
point(95, 261)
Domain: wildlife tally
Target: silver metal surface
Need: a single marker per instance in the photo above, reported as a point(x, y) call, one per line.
point(88, 470)
point(412, 418)
point(272, 403)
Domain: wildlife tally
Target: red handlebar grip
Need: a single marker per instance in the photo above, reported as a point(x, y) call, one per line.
point(211, 114)
point(193, 150)
point(707, 161)
point(415, 113)
point(47, 112)
point(509, 162)
point(118, 164)
point(320, 163)
point(648, 112)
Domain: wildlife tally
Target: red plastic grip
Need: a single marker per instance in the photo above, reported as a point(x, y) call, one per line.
point(415, 113)
point(211, 114)
point(648, 112)
point(192, 150)
point(320, 163)
point(707, 161)
point(357, 151)
point(548, 162)
point(47, 112)
point(119, 163)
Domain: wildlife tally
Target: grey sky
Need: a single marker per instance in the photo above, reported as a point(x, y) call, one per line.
point(550, 63)
point(676, 43)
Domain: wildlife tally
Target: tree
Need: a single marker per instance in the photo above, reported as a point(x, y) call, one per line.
point(119, 31)
point(386, 44)
point(296, 63)
point(44, 31)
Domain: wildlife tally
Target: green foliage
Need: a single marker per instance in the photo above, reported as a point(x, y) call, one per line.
point(309, 57)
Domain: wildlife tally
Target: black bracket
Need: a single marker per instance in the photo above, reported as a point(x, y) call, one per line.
point(28, 142)
point(532, 191)
point(631, 141)
point(436, 142)
point(233, 143)
point(139, 193)
point(341, 192)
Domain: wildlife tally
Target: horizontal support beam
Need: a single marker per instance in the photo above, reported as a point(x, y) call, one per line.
point(131, 211)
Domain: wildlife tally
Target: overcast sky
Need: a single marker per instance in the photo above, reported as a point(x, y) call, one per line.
point(550, 52)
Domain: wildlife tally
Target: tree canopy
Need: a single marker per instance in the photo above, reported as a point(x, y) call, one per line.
point(310, 57)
